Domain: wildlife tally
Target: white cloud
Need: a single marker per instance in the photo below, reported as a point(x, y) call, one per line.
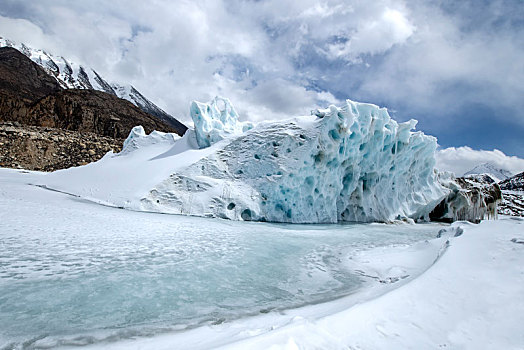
point(486, 66)
point(22, 30)
point(274, 57)
point(462, 159)
point(375, 36)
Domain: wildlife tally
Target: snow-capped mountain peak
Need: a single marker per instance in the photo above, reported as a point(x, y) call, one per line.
point(497, 173)
point(71, 75)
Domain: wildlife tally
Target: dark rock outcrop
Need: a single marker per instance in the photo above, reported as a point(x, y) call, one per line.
point(23, 79)
point(472, 198)
point(90, 111)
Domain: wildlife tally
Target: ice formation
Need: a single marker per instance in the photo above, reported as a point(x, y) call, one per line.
point(352, 163)
point(138, 138)
point(215, 121)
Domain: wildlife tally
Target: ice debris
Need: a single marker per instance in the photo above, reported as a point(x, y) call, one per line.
point(215, 121)
point(352, 163)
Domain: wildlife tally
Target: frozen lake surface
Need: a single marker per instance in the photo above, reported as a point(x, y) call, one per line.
point(73, 272)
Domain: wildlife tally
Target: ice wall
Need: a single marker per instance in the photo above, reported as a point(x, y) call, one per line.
point(352, 163)
point(215, 121)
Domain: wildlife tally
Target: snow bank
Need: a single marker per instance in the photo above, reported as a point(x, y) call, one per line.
point(470, 299)
point(352, 163)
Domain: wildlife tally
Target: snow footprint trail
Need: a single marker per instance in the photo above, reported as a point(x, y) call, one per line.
point(75, 272)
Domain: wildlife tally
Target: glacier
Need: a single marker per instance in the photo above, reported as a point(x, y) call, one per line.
point(351, 163)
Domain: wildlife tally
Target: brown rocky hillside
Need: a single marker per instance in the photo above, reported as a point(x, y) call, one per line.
point(32, 102)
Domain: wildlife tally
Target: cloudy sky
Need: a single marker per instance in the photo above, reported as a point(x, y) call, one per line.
point(456, 66)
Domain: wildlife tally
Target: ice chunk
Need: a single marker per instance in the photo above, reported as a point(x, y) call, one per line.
point(215, 121)
point(138, 138)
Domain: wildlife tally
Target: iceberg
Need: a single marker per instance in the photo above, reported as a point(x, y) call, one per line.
point(352, 163)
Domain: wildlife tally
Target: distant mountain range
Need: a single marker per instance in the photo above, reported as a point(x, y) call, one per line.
point(497, 173)
point(71, 75)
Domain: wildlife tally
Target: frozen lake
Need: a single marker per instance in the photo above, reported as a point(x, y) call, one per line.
point(73, 272)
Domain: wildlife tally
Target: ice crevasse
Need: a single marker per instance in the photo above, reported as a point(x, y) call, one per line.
point(348, 163)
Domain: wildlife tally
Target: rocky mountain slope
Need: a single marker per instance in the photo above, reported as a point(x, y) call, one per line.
point(49, 149)
point(512, 187)
point(22, 79)
point(29, 96)
point(514, 183)
point(512, 191)
point(513, 195)
point(512, 204)
point(70, 75)
point(46, 127)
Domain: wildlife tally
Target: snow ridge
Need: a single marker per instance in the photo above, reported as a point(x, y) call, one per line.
point(498, 174)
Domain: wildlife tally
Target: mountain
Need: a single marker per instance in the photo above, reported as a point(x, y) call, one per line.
point(45, 127)
point(70, 75)
point(28, 95)
point(497, 173)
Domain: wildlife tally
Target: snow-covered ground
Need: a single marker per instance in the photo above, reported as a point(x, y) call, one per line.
point(78, 273)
